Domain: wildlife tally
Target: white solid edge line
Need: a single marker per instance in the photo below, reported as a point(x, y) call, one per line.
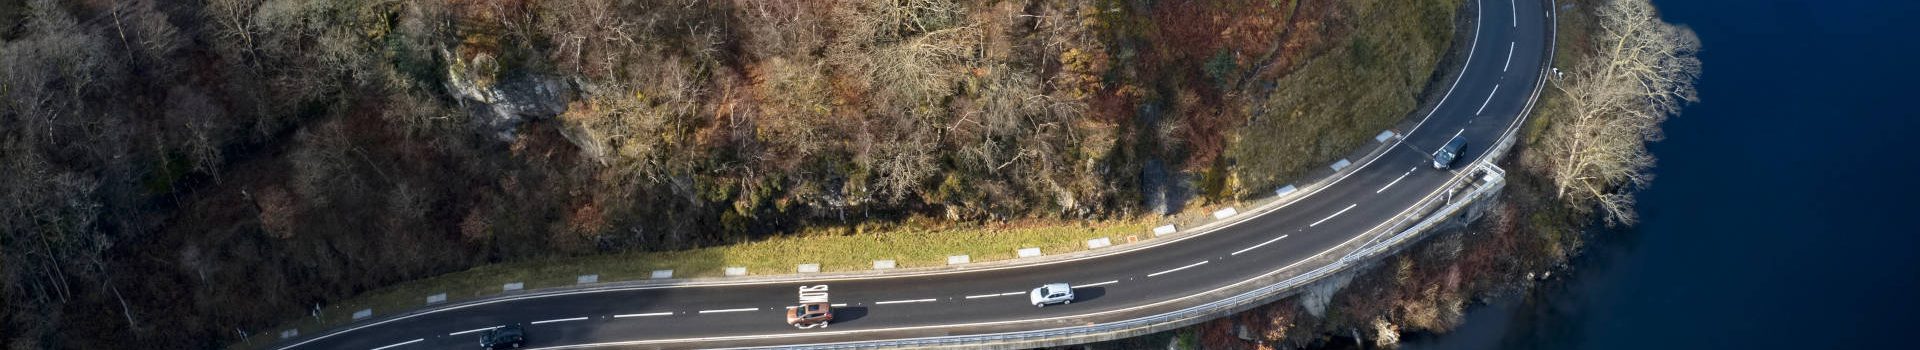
point(559, 320)
point(1202, 262)
point(728, 310)
point(1471, 48)
point(1509, 64)
point(1275, 239)
point(1395, 181)
point(643, 315)
point(992, 295)
point(401, 343)
point(1429, 195)
point(1097, 284)
point(1483, 105)
point(471, 331)
point(903, 301)
point(1337, 213)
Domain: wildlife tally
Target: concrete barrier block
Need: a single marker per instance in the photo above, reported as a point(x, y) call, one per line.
point(659, 274)
point(1383, 136)
point(513, 286)
point(958, 259)
point(882, 264)
point(807, 268)
point(289, 334)
point(1029, 252)
point(1225, 213)
point(1284, 191)
point(362, 314)
point(436, 298)
point(585, 279)
point(1342, 164)
point(1098, 243)
point(1165, 230)
point(736, 271)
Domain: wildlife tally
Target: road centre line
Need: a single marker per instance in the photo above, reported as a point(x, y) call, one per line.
point(1202, 262)
point(729, 310)
point(643, 315)
point(1516, 13)
point(401, 343)
point(1258, 245)
point(1395, 181)
point(903, 301)
point(833, 305)
point(560, 320)
point(471, 331)
point(992, 295)
point(1100, 284)
point(1509, 64)
point(1483, 105)
point(1337, 213)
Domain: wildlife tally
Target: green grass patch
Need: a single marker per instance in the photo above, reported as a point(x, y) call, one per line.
point(1338, 99)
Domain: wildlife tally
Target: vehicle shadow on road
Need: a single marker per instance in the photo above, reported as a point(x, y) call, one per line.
point(847, 314)
point(1084, 294)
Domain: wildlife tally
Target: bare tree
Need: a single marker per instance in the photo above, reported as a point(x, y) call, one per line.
point(1641, 72)
point(145, 33)
point(234, 20)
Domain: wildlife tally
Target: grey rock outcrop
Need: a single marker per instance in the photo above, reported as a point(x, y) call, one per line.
point(500, 104)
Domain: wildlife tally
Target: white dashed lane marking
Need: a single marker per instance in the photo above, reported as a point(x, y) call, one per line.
point(992, 295)
point(399, 344)
point(1483, 105)
point(1259, 245)
point(1509, 64)
point(1100, 284)
point(1396, 180)
point(471, 331)
point(560, 320)
point(643, 315)
point(1337, 213)
point(833, 305)
point(728, 310)
point(903, 301)
point(1202, 262)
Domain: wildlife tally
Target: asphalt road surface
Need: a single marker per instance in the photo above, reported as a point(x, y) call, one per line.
point(1496, 85)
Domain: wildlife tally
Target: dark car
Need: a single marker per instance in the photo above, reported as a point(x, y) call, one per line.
point(508, 337)
point(1444, 158)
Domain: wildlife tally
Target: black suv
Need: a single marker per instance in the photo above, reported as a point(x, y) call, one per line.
point(1444, 158)
point(508, 337)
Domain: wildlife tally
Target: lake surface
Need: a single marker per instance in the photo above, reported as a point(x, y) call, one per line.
point(1783, 215)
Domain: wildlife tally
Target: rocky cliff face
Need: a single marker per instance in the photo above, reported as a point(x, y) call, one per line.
point(500, 102)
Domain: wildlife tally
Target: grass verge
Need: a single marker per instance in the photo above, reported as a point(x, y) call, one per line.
point(1340, 98)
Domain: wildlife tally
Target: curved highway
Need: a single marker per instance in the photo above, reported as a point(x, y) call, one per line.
point(1496, 85)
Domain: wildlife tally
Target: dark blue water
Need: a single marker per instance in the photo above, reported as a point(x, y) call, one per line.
point(1784, 213)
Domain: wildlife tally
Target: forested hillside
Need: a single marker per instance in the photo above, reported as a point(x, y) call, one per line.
point(182, 172)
